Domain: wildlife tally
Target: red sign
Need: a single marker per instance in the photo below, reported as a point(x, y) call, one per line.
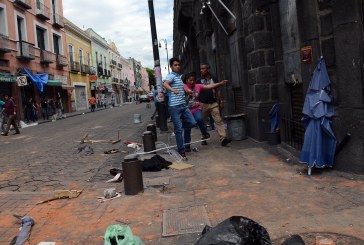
point(93, 78)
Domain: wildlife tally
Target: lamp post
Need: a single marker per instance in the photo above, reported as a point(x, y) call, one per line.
point(165, 43)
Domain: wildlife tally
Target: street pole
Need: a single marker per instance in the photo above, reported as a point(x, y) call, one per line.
point(161, 105)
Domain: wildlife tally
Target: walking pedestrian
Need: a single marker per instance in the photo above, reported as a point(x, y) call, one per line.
point(193, 104)
point(211, 102)
point(2, 116)
point(44, 104)
point(180, 114)
point(10, 110)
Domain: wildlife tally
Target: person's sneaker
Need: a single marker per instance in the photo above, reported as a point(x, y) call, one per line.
point(184, 158)
point(4, 134)
point(187, 148)
point(225, 141)
point(206, 136)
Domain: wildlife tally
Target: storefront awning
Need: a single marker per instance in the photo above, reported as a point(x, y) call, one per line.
point(7, 78)
point(54, 83)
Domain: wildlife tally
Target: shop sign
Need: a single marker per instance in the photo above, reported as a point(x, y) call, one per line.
point(6, 78)
point(306, 54)
point(22, 81)
point(92, 77)
point(63, 79)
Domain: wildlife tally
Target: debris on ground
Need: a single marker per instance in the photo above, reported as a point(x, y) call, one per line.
point(61, 194)
point(85, 150)
point(120, 235)
point(180, 166)
point(112, 151)
point(154, 164)
point(236, 230)
point(26, 225)
point(118, 175)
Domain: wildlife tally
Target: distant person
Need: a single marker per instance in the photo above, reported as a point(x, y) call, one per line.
point(194, 105)
point(113, 100)
point(2, 116)
point(10, 111)
point(211, 102)
point(44, 104)
point(180, 114)
point(92, 102)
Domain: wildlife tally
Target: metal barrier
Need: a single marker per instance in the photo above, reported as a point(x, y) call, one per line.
point(294, 132)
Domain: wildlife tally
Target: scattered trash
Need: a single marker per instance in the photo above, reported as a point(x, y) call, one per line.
point(236, 230)
point(113, 151)
point(26, 225)
point(154, 164)
point(118, 175)
point(195, 149)
point(294, 240)
point(180, 166)
point(120, 235)
point(85, 150)
point(24, 125)
point(109, 193)
point(47, 243)
point(320, 240)
point(103, 199)
point(83, 138)
point(60, 194)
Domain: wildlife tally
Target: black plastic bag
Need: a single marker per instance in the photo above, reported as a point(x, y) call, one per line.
point(237, 230)
point(156, 163)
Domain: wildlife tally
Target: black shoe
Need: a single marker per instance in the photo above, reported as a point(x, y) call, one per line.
point(184, 158)
point(206, 136)
point(187, 148)
point(225, 141)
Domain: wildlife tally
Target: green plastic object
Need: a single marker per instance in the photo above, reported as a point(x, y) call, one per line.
point(120, 235)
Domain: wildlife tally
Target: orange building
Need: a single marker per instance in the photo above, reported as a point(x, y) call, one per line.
point(33, 38)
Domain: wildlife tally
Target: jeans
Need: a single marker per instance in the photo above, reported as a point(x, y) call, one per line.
point(201, 124)
point(45, 113)
point(182, 118)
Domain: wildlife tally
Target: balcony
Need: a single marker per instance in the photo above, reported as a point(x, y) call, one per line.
point(46, 57)
point(92, 70)
point(25, 4)
point(4, 44)
point(25, 50)
point(75, 66)
point(85, 69)
point(113, 63)
point(58, 21)
point(115, 80)
point(120, 66)
point(42, 11)
point(61, 60)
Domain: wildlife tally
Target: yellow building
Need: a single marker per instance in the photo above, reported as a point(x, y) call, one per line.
point(80, 64)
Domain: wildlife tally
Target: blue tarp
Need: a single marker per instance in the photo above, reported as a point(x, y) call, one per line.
point(319, 141)
point(274, 118)
point(39, 79)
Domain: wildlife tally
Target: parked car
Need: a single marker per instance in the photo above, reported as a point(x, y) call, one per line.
point(144, 98)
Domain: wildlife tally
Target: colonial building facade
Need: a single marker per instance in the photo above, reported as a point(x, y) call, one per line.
point(32, 37)
point(80, 65)
point(268, 50)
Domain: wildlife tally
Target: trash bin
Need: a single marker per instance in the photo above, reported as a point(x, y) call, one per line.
point(132, 173)
point(236, 126)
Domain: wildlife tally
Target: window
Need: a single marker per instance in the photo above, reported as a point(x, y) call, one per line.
point(56, 44)
point(20, 23)
point(97, 61)
point(70, 52)
point(88, 59)
point(3, 19)
point(80, 54)
point(101, 60)
point(105, 61)
point(42, 40)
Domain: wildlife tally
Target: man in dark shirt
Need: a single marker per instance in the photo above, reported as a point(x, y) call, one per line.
point(209, 102)
point(10, 110)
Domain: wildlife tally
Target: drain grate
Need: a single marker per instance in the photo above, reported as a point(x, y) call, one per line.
point(184, 220)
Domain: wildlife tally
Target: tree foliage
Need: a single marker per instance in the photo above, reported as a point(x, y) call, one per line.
point(151, 77)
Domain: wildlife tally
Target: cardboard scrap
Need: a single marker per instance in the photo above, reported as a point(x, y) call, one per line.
point(180, 166)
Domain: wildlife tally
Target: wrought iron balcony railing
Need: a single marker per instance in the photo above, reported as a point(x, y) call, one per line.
point(58, 21)
point(75, 66)
point(46, 57)
point(42, 11)
point(25, 50)
point(92, 70)
point(85, 69)
point(61, 60)
point(4, 44)
point(25, 4)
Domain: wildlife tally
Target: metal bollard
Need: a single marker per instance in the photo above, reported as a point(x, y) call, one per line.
point(133, 177)
point(153, 129)
point(148, 141)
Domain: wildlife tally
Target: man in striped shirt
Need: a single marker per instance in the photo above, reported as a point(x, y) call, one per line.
point(180, 114)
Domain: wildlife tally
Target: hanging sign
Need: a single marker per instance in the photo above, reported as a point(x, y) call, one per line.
point(22, 81)
point(306, 54)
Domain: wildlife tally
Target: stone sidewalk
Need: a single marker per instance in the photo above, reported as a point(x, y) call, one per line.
point(247, 178)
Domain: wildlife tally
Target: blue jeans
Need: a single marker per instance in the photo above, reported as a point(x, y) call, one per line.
point(201, 124)
point(182, 118)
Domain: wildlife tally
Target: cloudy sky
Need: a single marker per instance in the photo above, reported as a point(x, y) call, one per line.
point(126, 22)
